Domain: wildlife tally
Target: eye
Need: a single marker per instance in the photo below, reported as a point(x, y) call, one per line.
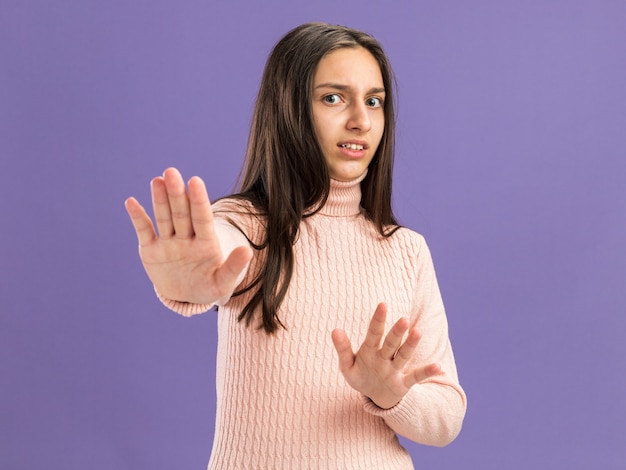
point(332, 99)
point(374, 102)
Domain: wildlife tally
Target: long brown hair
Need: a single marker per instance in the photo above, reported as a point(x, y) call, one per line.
point(285, 175)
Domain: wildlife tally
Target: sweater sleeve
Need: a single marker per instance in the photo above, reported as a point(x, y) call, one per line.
point(432, 412)
point(230, 238)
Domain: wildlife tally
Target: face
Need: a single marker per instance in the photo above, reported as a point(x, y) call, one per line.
point(348, 110)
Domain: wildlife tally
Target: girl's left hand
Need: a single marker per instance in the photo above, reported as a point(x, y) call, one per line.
point(381, 369)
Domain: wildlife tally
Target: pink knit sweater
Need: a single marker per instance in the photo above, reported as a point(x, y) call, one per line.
point(281, 401)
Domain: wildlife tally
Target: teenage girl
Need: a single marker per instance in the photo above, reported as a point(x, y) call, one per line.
point(332, 333)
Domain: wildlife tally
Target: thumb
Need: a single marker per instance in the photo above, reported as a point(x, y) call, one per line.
point(234, 265)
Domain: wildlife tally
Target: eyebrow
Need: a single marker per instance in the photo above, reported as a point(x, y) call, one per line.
point(339, 86)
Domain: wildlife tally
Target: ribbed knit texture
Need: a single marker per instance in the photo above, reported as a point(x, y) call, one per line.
point(281, 401)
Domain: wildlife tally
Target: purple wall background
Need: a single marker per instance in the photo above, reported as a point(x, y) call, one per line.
point(511, 162)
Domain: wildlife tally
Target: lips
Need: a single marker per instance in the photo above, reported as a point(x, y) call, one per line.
point(353, 145)
point(353, 150)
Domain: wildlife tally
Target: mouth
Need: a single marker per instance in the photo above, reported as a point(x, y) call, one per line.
point(353, 146)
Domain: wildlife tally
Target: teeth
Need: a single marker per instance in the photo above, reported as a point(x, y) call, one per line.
point(352, 146)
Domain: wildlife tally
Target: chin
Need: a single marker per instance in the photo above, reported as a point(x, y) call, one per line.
point(347, 174)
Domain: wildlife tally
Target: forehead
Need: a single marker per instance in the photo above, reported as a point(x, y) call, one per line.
point(354, 66)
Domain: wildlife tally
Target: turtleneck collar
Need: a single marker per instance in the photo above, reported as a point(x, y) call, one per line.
point(344, 198)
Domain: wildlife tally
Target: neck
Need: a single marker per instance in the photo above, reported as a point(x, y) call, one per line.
point(344, 198)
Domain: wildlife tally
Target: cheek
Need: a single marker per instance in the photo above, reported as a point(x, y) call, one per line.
point(380, 128)
point(323, 132)
point(318, 131)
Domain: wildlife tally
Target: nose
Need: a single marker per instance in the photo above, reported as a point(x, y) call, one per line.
point(359, 118)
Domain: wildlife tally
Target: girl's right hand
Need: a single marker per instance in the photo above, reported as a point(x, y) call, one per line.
point(184, 259)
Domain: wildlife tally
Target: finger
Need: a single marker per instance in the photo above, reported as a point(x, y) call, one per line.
point(200, 207)
point(161, 208)
point(236, 262)
point(406, 351)
point(344, 349)
point(393, 340)
point(376, 328)
point(141, 221)
point(423, 373)
point(179, 203)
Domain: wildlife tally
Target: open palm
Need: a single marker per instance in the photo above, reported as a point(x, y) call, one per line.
point(183, 257)
point(382, 369)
